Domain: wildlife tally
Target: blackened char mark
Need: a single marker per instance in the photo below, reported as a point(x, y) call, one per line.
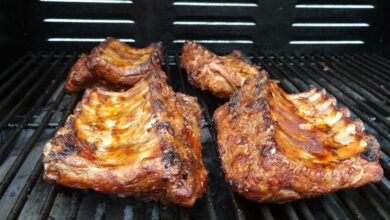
point(184, 176)
point(165, 125)
point(70, 148)
point(260, 103)
point(234, 101)
point(370, 153)
point(158, 105)
point(156, 85)
point(257, 105)
point(68, 141)
point(258, 89)
point(169, 154)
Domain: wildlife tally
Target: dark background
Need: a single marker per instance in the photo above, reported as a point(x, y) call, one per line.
point(23, 29)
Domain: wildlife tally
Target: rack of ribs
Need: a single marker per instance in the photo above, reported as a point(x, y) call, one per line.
point(218, 74)
point(145, 141)
point(277, 147)
point(114, 65)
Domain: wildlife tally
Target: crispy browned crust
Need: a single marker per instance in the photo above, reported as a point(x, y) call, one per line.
point(218, 74)
point(114, 65)
point(78, 74)
point(145, 141)
point(277, 147)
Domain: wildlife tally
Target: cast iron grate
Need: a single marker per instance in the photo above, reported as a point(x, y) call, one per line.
point(33, 105)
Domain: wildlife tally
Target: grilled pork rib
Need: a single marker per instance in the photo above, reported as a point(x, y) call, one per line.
point(114, 65)
point(145, 141)
point(277, 147)
point(218, 74)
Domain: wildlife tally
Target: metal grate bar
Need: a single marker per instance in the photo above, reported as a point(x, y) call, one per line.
point(266, 212)
point(384, 185)
point(347, 69)
point(54, 86)
point(31, 125)
point(359, 86)
point(291, 213)
point(305, 210)
point(19, 88)
point(48, 202)
point(366, 69)
point(296, 83)
point(378, 60)
point(385, 159)
point(115, 209)
point(74, 207)
point(91, 205)
point(12, 68)
point(10, 204)
point(372, 96)
point(364, 74)
point(351, 206)
point(368, 191)
point(19, 73)
point(5, 147)
point(20, 158)
point(384, 61)
point(27, 97)
point(381, 71)
point(333, 207)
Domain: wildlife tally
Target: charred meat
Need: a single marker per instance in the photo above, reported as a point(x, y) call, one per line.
point(276, 147)
point(114, 65)
point(145, 141)
point(218, 74)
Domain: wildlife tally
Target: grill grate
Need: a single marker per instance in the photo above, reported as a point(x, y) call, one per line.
point(33, 106)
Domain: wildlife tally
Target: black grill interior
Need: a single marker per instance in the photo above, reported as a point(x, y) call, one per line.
point(221, 24)
point(342, 46)
point(32, 114)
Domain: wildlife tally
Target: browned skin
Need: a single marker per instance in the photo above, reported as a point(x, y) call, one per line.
point(114, 65)
point(145, 141)
point(218, 74)
point(277, 147)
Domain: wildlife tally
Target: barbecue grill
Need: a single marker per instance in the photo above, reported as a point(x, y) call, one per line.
point(337, 45)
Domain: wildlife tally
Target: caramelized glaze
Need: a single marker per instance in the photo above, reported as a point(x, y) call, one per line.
point(145, 141)
point(218, 74)
point(276, 147)
point(114, 65)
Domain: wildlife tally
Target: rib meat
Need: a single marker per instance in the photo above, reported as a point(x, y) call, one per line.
point(218, 74)
point(145, 141)
point(114, 65)
point(276, 147)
